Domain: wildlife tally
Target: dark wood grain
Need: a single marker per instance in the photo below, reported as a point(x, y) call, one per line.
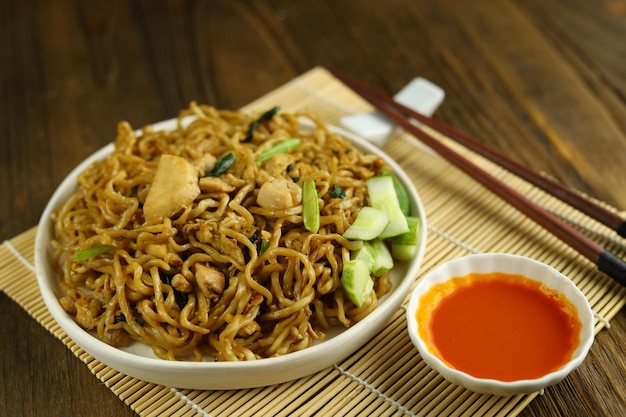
point(543, 81)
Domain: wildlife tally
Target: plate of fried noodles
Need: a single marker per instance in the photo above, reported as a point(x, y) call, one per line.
point(179, 254)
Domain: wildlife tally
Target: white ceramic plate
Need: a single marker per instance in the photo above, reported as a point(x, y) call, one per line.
point(138, 360)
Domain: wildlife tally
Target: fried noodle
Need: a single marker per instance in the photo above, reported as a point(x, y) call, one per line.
point(231, 273)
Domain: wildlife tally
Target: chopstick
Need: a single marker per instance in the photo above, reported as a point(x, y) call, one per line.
point(606, 261)
point(575, 199)
point(569, 196)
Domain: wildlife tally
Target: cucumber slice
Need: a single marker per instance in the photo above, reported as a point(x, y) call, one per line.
point(383, 197)
point(404, 246)
point(401, 193)
point(376, 256)
point(383, 260)
point(357, 282)
point(369, 224)
point(403, 252)
point(365, 253)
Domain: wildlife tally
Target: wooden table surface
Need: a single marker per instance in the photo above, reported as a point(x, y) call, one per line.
point(544, 81)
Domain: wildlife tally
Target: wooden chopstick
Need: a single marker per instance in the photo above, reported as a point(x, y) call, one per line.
point(573, 198)
point(606, 261)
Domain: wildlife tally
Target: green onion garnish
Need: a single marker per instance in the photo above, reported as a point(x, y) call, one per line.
point(93, 251)
point(222, 164)
point(264, 245)
point(337, 192)
point(263, 118)
point(281, 147)
point(310, 207)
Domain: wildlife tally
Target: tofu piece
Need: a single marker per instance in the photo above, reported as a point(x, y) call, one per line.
point(174, 187)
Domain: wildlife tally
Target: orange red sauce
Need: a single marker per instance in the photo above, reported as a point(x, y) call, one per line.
point(499, 326)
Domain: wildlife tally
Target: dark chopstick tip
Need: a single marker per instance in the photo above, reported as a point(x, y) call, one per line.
point(613, 266)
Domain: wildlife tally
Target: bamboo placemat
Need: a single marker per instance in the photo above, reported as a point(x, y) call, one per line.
point(386, 376)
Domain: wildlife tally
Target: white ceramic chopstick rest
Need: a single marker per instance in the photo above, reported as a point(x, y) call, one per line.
point(419, 95)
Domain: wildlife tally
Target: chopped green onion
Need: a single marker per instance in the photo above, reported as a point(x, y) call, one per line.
point(179, 297)
point(222, 164)
point(120, 318)
point(263, 118)
point(337, 192)
point(281, 147)
point(93, 251)
point(310, 207)
point(264, 245)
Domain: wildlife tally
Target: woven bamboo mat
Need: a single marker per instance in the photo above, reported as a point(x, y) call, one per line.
point(386, 376)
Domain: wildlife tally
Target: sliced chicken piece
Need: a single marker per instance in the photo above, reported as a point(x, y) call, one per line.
point(161, 251)
point(279, 194)
point(210, 281)
point(174, 187)
point(204, 163)
point(117, 338)
point(68, 304)
point(214, 185)
point(87, 311)
point(179, 283)
point(158, 250)
point(277, 165)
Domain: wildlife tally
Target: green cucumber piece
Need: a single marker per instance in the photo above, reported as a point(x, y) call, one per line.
point(383, 197)
point(357, 282)
point(404, 246)
point(403, 252)
point(365, 253)
point(383, 259)
point(369, 224)
point(401, 193)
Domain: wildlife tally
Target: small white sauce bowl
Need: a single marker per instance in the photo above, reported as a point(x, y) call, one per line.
point(510, 264)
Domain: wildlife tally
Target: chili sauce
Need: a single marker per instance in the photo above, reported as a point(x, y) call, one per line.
point(499, 326)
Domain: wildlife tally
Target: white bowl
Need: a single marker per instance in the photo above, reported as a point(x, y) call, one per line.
point(510, 264)
point(138, 360)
